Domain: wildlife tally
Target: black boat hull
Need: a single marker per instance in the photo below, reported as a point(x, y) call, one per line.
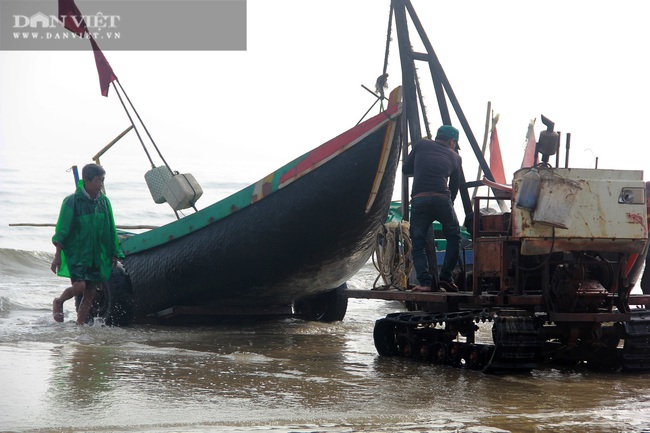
point(302, 239)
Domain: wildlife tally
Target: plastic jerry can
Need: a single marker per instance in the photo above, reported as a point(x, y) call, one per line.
point(182, 191)
point(529, 193)
point(156, 179)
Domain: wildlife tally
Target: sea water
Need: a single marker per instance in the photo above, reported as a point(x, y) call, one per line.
point(283, 375)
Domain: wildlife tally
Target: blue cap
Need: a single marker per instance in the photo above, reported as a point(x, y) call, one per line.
point(447, 132)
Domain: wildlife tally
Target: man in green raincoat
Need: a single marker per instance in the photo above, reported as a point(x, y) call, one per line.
point(86, 242)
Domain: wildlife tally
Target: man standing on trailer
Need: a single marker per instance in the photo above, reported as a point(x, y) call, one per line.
point(435, 167)
point(86, 242)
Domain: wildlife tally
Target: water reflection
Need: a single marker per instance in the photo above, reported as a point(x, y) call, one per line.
point(288, 375)
point(81, 374)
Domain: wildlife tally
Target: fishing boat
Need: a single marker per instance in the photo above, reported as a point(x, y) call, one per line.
point(286, 244)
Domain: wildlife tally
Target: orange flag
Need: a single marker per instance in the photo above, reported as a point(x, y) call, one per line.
point(531, 143)
point(496, 161)
point(106, 75)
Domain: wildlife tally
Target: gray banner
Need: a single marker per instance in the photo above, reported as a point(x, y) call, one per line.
point(126, 25)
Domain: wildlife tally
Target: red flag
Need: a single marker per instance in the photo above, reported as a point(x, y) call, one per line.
point(106, 75)
point(496, 162)
point(71, 17)
point(531, 144)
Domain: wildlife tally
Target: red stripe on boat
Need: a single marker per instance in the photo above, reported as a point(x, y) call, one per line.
point(335, 145)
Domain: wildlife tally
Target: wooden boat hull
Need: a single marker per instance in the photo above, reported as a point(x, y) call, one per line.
point(302, 231)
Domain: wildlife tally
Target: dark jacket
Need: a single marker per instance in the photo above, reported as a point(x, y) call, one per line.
point(434, 167)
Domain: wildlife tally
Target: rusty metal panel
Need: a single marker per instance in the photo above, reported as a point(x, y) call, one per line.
point(497, 223)
point(601, 218)
point(488, 252)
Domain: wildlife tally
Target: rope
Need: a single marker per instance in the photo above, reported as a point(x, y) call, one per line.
point(388, 39)
point(392, 254)
point(382, 81)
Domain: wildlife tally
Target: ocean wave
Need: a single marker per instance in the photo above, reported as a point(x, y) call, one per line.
point(15, 262)
point(8, 305)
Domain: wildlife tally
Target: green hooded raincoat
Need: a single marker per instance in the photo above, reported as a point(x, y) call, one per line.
point(88, 238)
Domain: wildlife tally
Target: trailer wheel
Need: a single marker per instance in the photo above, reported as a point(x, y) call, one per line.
point(384, 338)
point(327, 307)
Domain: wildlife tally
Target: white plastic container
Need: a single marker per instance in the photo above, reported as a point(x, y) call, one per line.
point(182, 191)
point(156, 179)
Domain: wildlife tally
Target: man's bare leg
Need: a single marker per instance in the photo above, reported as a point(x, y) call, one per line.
point(86, 305)
point(77, 288)
point(57, 310)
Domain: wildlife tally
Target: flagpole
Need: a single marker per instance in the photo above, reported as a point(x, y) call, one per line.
point(485, 137)
point(502, 205)
point(135, 128)
point(529, 154)
point(142, 123)
point(106, 74)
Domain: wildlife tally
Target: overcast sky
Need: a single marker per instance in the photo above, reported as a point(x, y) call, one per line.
point(583, 64)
